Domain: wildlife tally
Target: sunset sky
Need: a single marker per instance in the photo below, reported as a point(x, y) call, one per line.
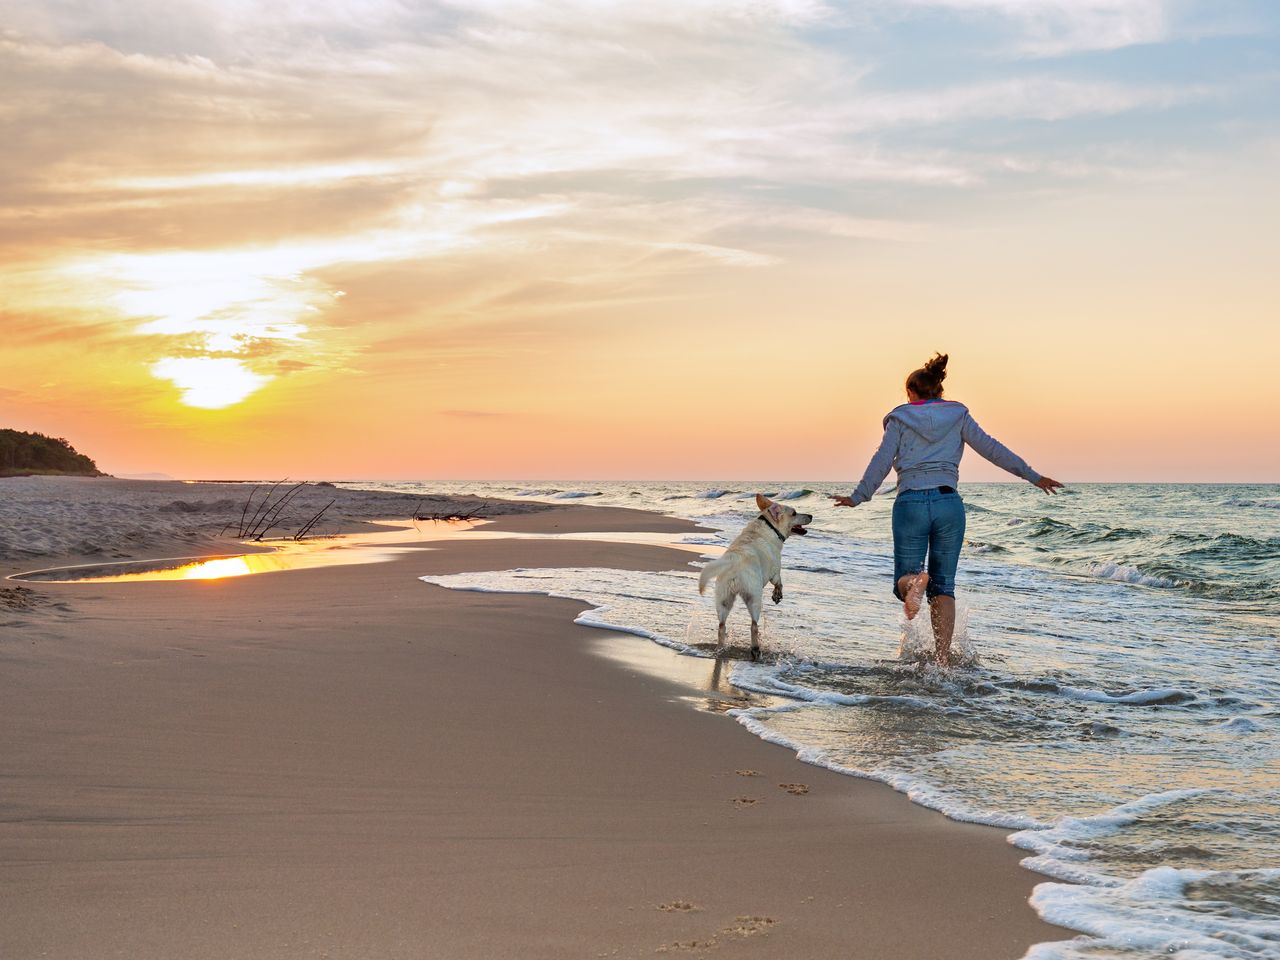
point(394, 239)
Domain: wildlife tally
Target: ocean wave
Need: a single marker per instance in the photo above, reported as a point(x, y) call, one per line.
point(1065, 850)
point(1160, 697)
point(1047, 526)
point(1052, 529)
point(1074, 829)
point(1120, 533)
point(1165, 911)
point(1241, 725)
point(1126, 574)
point(1233, 547)
point(712, 494)
point(977, 546)
point(1096, 728)
point(1256, 504)
point(576, 494)
point(1157, 697)
point(767, 681)
point(793, 494)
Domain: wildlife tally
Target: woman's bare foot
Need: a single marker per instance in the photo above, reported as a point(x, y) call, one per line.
point(912, 588)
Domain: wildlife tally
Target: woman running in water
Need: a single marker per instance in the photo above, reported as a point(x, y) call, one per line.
point(924, 440)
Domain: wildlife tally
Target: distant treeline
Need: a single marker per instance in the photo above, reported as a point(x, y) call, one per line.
point(22, 453)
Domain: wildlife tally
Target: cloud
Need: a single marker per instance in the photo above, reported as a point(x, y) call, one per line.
point(1049, 28)
point(210, 176)
point(38, 329)
point(1034, 97)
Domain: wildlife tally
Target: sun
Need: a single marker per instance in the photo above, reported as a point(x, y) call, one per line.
point(210, 383)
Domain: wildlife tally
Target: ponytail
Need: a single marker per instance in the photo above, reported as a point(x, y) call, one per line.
point(926, 383)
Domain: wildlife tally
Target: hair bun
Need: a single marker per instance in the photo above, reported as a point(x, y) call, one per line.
point(926, 383)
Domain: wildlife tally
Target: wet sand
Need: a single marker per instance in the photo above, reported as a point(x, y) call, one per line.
point(347, 762)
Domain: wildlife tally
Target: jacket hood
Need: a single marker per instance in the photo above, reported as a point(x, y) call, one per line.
point(933, 420)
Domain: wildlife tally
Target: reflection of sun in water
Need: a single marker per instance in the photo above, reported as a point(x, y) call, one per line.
point(217, 569)
point(209, 382)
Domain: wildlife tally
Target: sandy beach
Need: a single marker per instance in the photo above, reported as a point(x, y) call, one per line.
point(347, 762)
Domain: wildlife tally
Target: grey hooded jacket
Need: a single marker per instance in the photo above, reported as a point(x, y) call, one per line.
point(924, 441)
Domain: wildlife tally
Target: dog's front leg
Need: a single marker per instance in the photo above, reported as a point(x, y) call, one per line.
point(777, 589)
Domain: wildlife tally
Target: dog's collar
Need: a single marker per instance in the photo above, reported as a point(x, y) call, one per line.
point(772, 527)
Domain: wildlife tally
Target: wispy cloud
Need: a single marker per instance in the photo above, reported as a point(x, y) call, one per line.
point(214, 176)
point(1054, 27)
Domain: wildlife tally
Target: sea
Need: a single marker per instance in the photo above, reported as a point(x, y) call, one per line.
point(1117, 709)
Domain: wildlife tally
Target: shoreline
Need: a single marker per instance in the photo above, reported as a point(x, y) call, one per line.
point(67, 520)
point(349, 760)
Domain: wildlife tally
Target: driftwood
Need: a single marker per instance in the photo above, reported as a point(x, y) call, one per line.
point(262, 513)
point(251, 526)
point(271, 516)
point(446, 515)
point(306, 527)
point(266, 512)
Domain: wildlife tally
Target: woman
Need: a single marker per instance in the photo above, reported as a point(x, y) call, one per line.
point(924, 440)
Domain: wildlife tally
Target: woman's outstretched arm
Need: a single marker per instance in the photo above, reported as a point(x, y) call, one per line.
point(995, 451)
point(877, 469)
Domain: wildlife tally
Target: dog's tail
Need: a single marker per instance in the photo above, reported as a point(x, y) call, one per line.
point(712, 570)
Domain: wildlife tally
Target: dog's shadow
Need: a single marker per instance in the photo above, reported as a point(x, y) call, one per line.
point(731, 652)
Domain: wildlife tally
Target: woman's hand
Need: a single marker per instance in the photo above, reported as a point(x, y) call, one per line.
point(1048, 486)
point(844, 501)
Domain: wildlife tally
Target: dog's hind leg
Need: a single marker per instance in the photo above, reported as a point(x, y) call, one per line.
point(723, 606)
point(753, 605)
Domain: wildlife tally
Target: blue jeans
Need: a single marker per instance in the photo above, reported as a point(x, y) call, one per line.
point(928, 523)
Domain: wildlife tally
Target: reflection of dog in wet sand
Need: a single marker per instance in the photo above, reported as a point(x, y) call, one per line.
point(751, 561)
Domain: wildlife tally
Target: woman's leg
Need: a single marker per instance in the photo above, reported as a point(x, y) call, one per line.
point(946, 537)
point(910, 546)
point(942, 611)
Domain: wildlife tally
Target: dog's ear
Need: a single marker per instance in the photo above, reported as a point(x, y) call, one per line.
point(763, 502)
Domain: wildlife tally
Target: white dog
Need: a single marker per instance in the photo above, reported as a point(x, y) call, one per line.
point(751, 561)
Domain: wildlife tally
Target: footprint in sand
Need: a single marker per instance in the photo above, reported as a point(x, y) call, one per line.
point(795, 789)
point(20, 598)
point(741, 929)
point(745, 801)
point(748, 773)
point(678, 906)
point(748, 927)
point(687, 945)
